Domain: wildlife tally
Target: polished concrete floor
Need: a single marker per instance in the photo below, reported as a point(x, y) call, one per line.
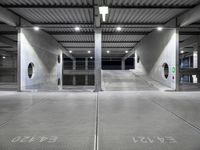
point(137, 119)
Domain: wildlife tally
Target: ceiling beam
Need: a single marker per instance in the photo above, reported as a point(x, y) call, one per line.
point(8, 17)
point(189, 33)
point(62, 24)
point(96, 15)
point(189, 17)
point(91, 6)
point(102, 47)
point(152, 7)
point(105, 42)
point(102, 24)
point(8, 32)
point(103, 33)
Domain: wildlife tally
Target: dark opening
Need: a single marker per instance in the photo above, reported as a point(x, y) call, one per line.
point(166, 70)
point(58, 58)
point(138, 59)
point(58, 81)
point(30, 70)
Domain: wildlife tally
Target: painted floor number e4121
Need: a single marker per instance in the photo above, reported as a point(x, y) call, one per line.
point(153, 139)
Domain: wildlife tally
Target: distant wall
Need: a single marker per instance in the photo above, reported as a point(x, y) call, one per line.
point(154, 50)
point(8, 69)
point(42, 50)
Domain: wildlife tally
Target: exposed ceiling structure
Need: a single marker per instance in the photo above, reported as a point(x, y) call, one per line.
point(137, 18)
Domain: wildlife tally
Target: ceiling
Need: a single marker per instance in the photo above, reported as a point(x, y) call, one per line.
point(137, 18)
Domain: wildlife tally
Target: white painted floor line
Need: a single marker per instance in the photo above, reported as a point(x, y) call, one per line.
point(96, 137)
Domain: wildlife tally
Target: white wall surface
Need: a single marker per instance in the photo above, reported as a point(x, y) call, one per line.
point(42, 50)
point(154, 50)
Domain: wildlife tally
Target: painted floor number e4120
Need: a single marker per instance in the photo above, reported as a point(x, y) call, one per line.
point(31, 139)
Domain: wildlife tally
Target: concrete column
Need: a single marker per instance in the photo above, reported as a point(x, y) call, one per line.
point(86, 68)
point(177, 74)
point(195, 65)
point(74, 68)
point(19, 61)
point(195, 60)
point(14, 62)
point(123, 64)
point(189, 64)
point(198, 60)
point(98, 53)
point(181, 59)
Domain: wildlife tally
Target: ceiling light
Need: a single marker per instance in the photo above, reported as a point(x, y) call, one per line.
point(107, 52)
point(103, 10)
point(126, 52)
point(77, 29)
point(182, 52)
point(159, 28)
point(70, 52)
point(36, 28)
point(89, 52)
point(4, 57)
point(91, 57)
point(119, 28)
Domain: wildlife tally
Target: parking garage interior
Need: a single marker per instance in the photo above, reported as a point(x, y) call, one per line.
point(99, 74)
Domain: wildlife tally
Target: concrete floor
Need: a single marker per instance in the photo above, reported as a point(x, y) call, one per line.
point(118, 80)
point(125, 120)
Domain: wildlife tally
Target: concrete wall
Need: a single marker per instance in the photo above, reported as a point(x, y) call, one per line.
point(154, 50)
point(42, 50)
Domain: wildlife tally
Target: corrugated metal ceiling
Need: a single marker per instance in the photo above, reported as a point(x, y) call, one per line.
point(85, 30)
point(74, 38)
point(128, 14)
point(142, 15)
point(62, 15)
point(114, 45)
point(150, 2)
point(122, 37)
point(108, 2)
point(46, 2)
point(110, 38)
point(4, 27)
